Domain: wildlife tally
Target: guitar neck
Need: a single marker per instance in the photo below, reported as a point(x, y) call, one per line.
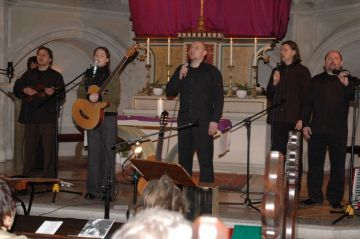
point(159, 146)
point(120, 67)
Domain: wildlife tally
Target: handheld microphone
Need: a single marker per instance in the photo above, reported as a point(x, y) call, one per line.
point(187, 65)
point(10, 70)
point(337, 72)
point(277, 68)
point(95, 68)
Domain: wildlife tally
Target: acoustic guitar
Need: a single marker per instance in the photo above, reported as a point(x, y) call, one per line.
point(158, 152)
point(88, 115)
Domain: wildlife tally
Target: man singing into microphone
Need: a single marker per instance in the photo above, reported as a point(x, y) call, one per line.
point(325, 126)
point(201, 99)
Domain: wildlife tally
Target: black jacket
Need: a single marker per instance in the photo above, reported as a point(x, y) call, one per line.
point(201, 93)
point(326, 105)
point(291, 89)
point(39, 109)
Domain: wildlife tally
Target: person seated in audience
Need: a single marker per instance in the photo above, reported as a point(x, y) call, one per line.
point(7, 211)
point(155, 223)
point(207, 227)
point(163, 193)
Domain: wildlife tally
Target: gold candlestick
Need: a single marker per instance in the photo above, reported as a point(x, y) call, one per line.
point(230, 91)
point(147, 90)
point(253, 90)
point(168, 67)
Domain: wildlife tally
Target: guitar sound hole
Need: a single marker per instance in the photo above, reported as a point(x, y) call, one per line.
point(85, 116)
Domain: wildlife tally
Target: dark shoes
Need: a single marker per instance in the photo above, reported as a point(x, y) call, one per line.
point(89, 196)
point(336, 206)
point(309, 202)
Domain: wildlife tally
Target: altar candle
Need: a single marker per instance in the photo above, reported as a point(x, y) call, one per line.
point(148, 51)
point(255, 50)
point(231, 51)
point(168, 51)
point(159, 107)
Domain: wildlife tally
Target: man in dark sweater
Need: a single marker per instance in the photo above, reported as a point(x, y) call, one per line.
point(325, 126)
point(39, 114)
point(201, 98)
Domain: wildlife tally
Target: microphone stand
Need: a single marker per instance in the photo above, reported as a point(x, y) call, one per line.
point(141, 138)
point(349, 209)
point(8, 71)
point(247, 123)
point(56, 94)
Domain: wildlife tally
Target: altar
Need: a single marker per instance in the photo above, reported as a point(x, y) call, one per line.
point(235, 110)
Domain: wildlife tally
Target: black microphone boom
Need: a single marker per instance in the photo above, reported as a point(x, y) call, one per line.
point(10, 70)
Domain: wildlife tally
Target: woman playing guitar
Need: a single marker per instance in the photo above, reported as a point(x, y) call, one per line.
point(101, 158)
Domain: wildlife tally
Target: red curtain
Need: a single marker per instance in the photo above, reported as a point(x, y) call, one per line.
point(237, 18)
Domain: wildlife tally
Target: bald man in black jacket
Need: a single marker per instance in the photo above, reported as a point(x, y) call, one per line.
point(325, 116)
point(201, 98)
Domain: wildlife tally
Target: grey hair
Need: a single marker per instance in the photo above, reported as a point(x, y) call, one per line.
point(163, 193)
point(156, 223)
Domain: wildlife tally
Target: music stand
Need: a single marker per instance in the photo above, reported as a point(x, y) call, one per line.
point(349, 209)
point(156, 169)
point(247, 123)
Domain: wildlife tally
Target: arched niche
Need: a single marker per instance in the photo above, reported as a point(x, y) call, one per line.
point(73, 51)
point(345, 39)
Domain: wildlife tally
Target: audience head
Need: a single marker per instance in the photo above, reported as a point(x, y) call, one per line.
point(206, 227)
point(155, 223)
point(7, 205)
point(31, 63)
point(163, 193)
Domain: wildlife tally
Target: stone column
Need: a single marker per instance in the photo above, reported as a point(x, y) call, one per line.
point(6, 116)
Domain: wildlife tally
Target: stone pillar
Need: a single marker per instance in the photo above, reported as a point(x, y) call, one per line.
point(6, 116)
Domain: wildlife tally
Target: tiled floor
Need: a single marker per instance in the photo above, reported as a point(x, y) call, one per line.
point(312, 222)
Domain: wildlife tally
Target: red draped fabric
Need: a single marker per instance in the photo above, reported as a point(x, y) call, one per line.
point(237, 18)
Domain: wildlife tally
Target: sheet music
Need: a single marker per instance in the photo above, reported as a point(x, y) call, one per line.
point(49, 227)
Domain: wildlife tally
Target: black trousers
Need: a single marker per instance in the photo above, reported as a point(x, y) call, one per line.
point(40, 137)
point(318, 144)
point(196, 139)
point(279, 139)
point(101, 157)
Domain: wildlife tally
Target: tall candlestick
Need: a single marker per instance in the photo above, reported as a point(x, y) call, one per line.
point(159, 107)
point(148, 51)
point(168, 52)
point(255, 50)
point(231, 52)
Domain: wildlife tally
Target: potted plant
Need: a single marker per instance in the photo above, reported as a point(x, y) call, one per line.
point(157, 88)
point(241, 91)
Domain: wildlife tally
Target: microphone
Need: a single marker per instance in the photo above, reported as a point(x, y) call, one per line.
point(351, 78)
point(337, 72)
point(95, 68)
point(187, 64)
point(10, 70)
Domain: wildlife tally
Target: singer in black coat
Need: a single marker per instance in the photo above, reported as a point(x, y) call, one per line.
point(37, 90)
point(288, 84)
point(202, 100)
point(325, 116)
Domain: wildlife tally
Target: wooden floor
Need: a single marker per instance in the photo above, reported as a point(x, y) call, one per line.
point(75, 172)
